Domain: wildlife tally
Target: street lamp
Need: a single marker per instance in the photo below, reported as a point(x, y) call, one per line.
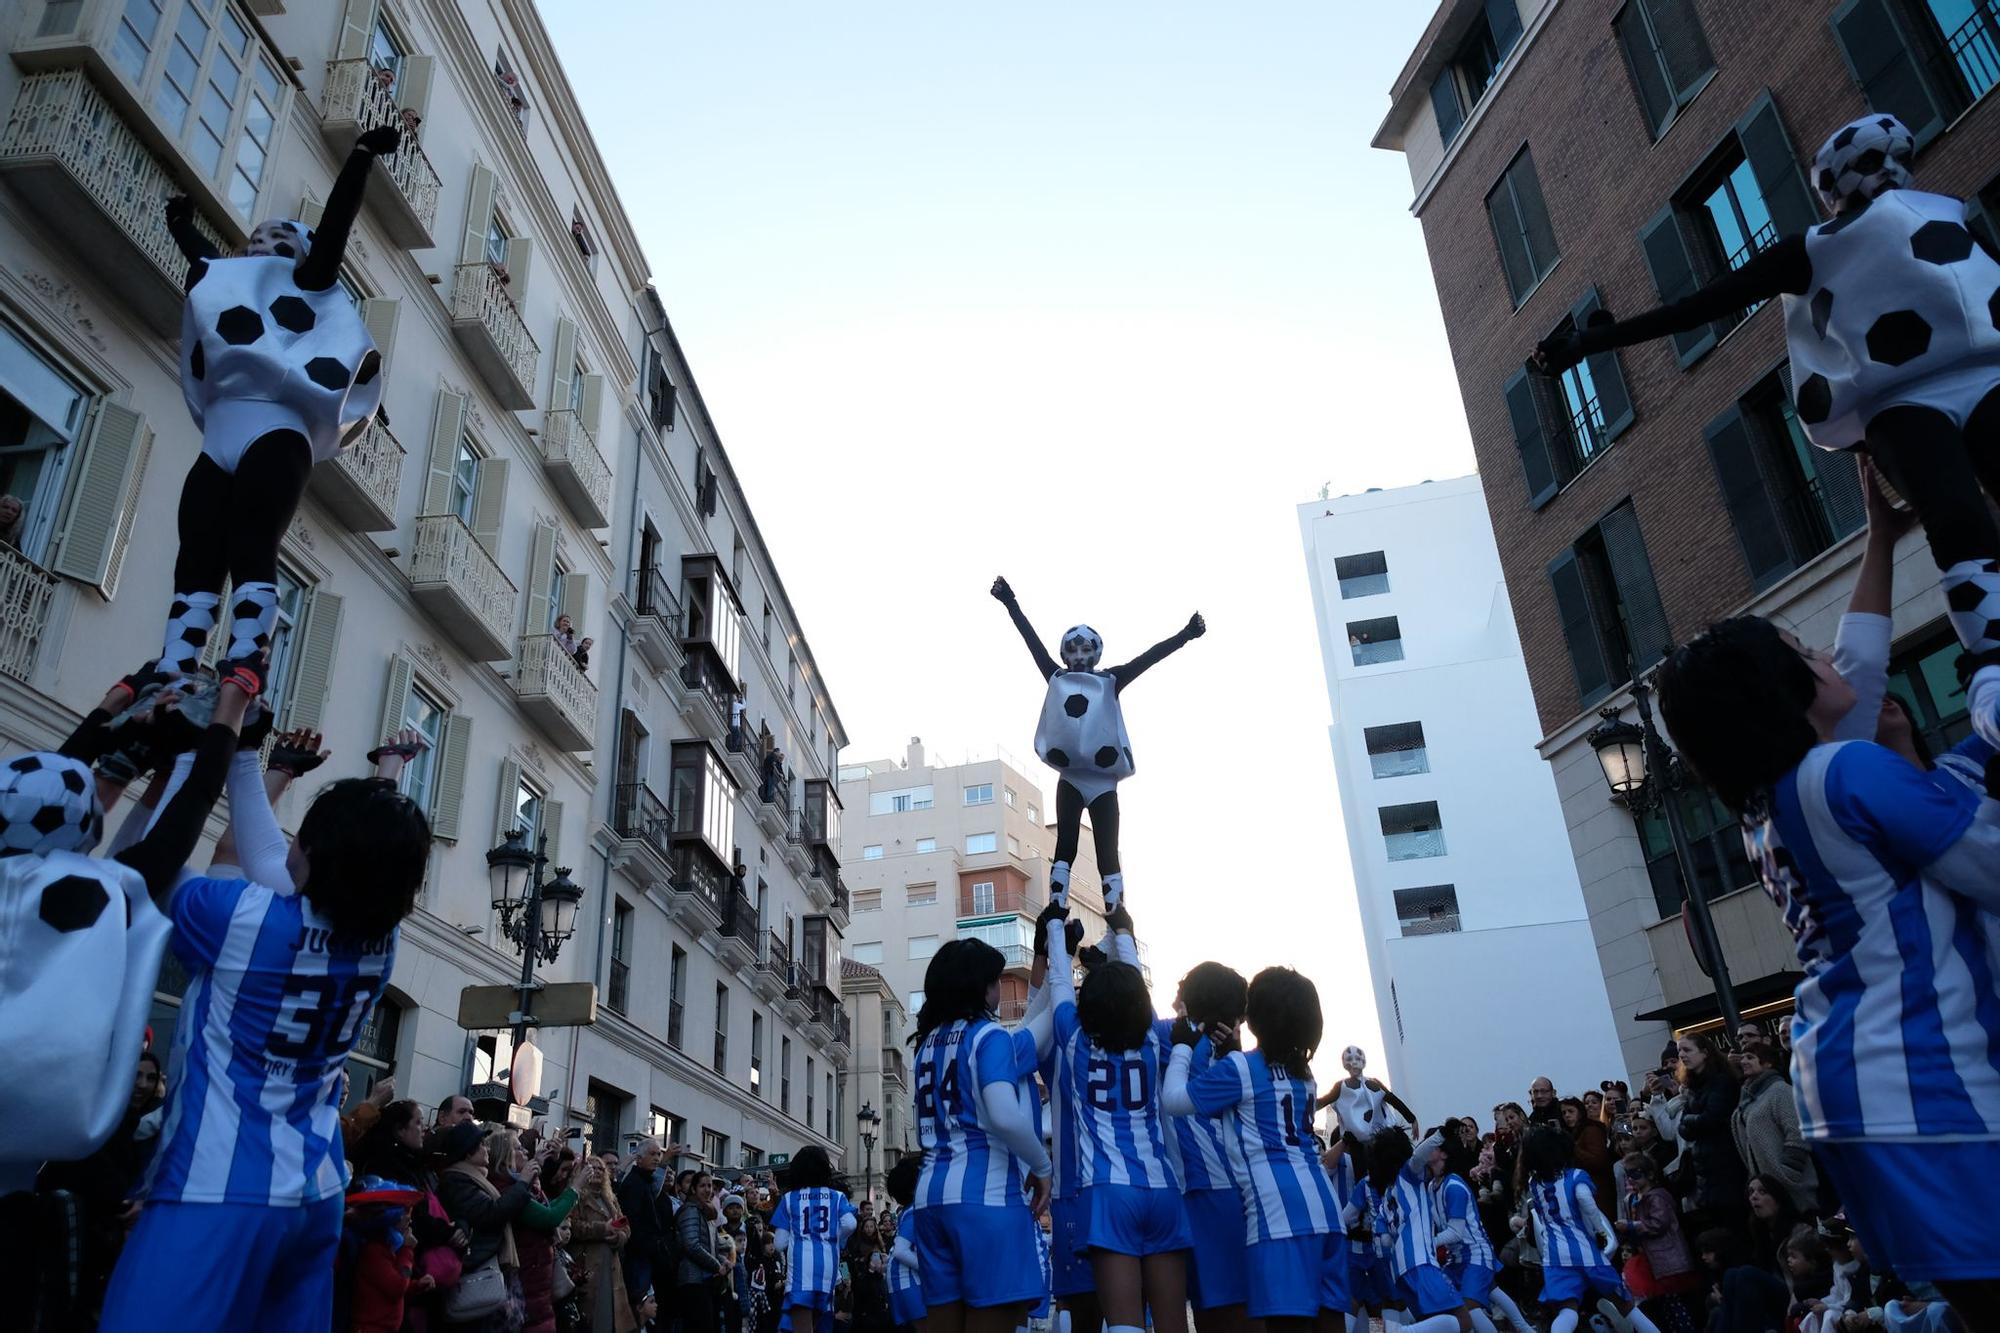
point(871, 1124)
point(537, 914)
point(1645, 773)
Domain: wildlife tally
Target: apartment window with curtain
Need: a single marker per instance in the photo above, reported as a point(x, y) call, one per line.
point(1520, 219)
point(1608, 604)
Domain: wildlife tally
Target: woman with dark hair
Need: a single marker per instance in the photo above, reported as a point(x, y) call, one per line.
point(813, 1223)
point(1766, 1126)
point(1213, 997)
point(1574, 1235)
point(1882, 873)
point(977, 1238)
point(1592, 1145)
point(1772, 1217)
point(1710, 1100)
point(487, 1212)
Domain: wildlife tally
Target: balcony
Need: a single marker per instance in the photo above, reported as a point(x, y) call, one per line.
point(825, 1012)
point(644, 850)
point(1414, 845)
point(555, 693)
point(773, 969)
point(710, 691)
point(797, 1000)
point(579, 472)
point(1011, 1010)
point(700, 888)
point(893, 1068)
point(360, 485)
point(744, 750)
point(1027, 900)
point(839, 1029)
point(841, 905)
point(774, 796)
point(80, 166)
point(489, 327)
point(1440, 923)
point(26, 593)
point(657, 623)
point(459, 585)
point(404, 191)
point(797, 857)
point(740, 932)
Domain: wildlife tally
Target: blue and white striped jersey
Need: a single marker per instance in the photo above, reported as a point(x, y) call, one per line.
point(813, 1217)
point(1195, 1142)
point(273, 1005)
point(962, 1163)
point(902, 1277)
point(1267, 1119)
point(1894, 1025)
point(1406, 1213)
point(1063, 1131)
point(1113, 1098)
point(1566, 1239)
point(1366, 1201)
point(1454, 1204)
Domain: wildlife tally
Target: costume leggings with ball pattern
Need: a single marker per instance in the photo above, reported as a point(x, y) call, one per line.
point(1070, 806)
point(1947, 474)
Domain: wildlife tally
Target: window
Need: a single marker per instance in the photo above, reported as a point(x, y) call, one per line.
point(810, 1080)
point(1561, 425)
point(1375, 641)
point(926, 844)
point(210, 84)
point(1787, 500)
point(1608, 605)
point(1925, 677)
point(1667, 55)
point(978, 843)
point(1521, 226)
point(385, 51)
point(982, 898)
point(899, 802)
point(1432, 910)
point(1010, 797)
point(511, 92)
point(373, 1057)
point(1034, 815)
point(617, 993)
point(1746, 195)
point(1715, 844)
point(670, 1129)
point(785, 1075)
point(1923, 61)
point(604, 1106)
point(677, 966)
point(497, 234)
point(721, 1029)
point(1396, 750)
point(579, 235)
point(867, 951)
point(660, 392)
point(464, 481)
point(872, 852)
point(426, 717)
point(526, 811)
point(767, 627)
point(916, 1002)
point(981, 794)
point(1459, 86)
point(1365, 575)
point(920, 895)
point(42, 412)
point(752, 1157)
point(715, 1148)
point(868, 900)
point(1013, 845)
point(832, 1104)
point(1413, 831)
point(922, 947)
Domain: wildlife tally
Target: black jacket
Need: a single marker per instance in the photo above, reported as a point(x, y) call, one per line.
point(483, 1215)
point(1719, 1175)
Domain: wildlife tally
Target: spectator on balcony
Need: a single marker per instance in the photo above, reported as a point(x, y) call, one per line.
point(578, 649)
point(12, 514)
point(737, 709)
point(774, 772)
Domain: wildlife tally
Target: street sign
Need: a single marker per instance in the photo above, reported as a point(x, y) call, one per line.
point(558, 1004)
point(778, 1159)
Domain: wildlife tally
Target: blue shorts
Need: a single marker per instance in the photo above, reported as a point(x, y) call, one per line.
point(1069, 1266)
point(821, 1305)
point(1374, 1286)
point(1573, 1284)
point(1425, 1291)
point(1924, 1233)
point(816, 1301)
point(1474, 1282)
point(1218, 1271)
point(1297, 1278)
point(907, 1306)
point(227, 1265)
point(1124, 1219)
point(979, 1255)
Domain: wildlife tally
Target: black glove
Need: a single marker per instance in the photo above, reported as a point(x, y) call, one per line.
point(180, 209)
point(1185, 1033)
point(1053, 912)
point(1091, 957)
point(1119, 919)
point(140, 681)
point(380, 141)
point(256, 729)
point(296, 753)
point(1001, 592)
point(1557, 353)
point(1073, 937)
point(1196, 626)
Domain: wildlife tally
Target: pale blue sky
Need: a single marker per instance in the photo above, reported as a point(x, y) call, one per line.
point(1088, 294)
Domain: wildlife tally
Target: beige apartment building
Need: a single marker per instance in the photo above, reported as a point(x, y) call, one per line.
point(878, 1075)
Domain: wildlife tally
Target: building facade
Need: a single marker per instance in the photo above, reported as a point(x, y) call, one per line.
point(1568, 158)
point(878, 1075)
point(1461, 864)
point(542, 450)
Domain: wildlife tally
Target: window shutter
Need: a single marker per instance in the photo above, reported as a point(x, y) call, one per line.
point(1673, 274)
point(1884, 65)
point(1647, 64)
point(1444, 102)
point(541, 569)
point(313, 674)
point(576, 601)
point(1776, 167)
point(489, 503)
point(565, 363)
point(379, 315)
point(1839, 484)
point(413, 88)
point(552, 814)
point(1527, 185)
point(357, 28)
point(455, 749)
point(1537, 461)
point(1506, 220)
point(402, 675)
point(1733, 450)
point(1645, 622)
point(520, 262)
point(478, 215)
point(593, 405)
point(1503, 17)
point(1586, 650)
point(1614, 400)
point(310, 209)
point(505, 816)
point(98, 512)
point(447, 429)
point(1682, 45)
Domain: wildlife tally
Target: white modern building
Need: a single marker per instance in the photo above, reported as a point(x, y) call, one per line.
point(1484, 966)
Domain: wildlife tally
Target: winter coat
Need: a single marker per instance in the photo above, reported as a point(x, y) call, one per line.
point(1656, 1220)
point(537, 1247)
point(381, 1282)
point(640, 1198)
point(1592, 1147)
point(698, 1261)
point(1719, 1177)
point(594, 1241)
point(1765, 1127)
point(488, 1220)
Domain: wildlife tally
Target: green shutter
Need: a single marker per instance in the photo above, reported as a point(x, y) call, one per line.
point(452, 757)
point(447, 429)
point(1885, 66)
point(1503, 19)
point(1607, 375)
point(1506, 221)
point(489, 503)
point(1768, 149)
point(98, 512)
point(593, 407)
point(1586, 649)
point(1444, 104)
point(541, 571)
point(413, 87)
point(380, 318)
point(1681, 43)
point(576, 600)
point(1647, 65)
point(1733, 450)
point(318, 636)
point(565, 364)
point(395, 697)
point(506, 799)
point(1672, 267)
point(478, 215)
point(520, 263)
point(1632, 574)
point(552, 815)
point(1537, 458)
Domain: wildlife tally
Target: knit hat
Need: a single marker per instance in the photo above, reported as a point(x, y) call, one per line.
point(375, 1189)
point(736, 1199)
point(460, 1141)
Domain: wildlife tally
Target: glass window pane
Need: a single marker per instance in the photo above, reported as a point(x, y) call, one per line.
point(1750, 198)
point(235, 37)
point(207, 151)
point(267, 80)
point(193, 29)
point(242, 193)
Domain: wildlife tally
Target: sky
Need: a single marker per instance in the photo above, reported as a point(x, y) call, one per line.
point(1089, 295)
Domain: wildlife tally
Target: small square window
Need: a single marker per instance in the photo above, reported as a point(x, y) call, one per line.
point(1412, 832)
point(922, 946)
point(981, 794)
point(1432, 910)
point(1397, 750)
point(920, 895)
point(1365, 575)
point(1375, 641)
point(926, 844)
point(872, 852)
point(979, 843)
point(868, 900)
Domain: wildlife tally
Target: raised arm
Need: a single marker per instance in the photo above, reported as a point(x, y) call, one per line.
point(1005, 596)
point(320, 269)
point(163, 852)
point(1132, 670)
point(196, 248)
point(1861, 643)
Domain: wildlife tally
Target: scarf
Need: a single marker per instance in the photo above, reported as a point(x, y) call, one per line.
point(509, 1256)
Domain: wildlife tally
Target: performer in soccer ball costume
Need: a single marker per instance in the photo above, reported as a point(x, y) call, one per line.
point(1082, 737)
point(280, 373)
point(1358, 1100)
point(1892, 318)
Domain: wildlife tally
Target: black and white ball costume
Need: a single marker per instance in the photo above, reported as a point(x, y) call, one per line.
point(1082, 736)
point(1892, 319)
point(279, 372)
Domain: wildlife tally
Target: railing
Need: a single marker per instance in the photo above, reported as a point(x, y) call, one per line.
point(354, 91)
point(695, 874)
point(1021, 902)
point(375, 464)
point(1444, 923)
point(654, 596)
point(1762, 239)
point(893, 1066)
point(1364, 585)
point(739, 917)
point(566, 440)
point(775, 787)
point(1373, 654)
point(26, 592)
point(704, 671)
point(842, 902)
point(446, 552)
point(546, 669)
point(1586, 427)
point(1009, 1011)
point(638, 813)
point(618, 991)
point(1972, 52)
point(777, 955)
point(838, 1020)
point(477, 293)
point(1400, 763)
point(1414, 845)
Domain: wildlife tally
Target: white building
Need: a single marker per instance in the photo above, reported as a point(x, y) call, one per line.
point(1484, 967)
point(543, 449)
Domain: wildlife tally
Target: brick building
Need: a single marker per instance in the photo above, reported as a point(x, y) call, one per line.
point(1567, 156)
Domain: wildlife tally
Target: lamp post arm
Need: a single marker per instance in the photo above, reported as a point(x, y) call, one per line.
point(531, 940)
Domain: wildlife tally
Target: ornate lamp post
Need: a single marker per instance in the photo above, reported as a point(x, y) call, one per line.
point(871, 1125)
point(538, 914)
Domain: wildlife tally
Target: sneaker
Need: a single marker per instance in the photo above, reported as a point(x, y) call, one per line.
point(1613, 1316)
